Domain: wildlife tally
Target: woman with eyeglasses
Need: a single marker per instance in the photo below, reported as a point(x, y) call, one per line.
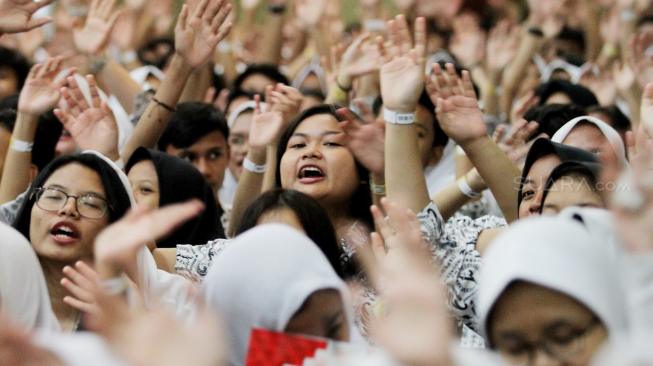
point(69, 203)
point(548, 293)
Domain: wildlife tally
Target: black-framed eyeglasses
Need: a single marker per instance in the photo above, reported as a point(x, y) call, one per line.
point(560, 347)
point(90, 206)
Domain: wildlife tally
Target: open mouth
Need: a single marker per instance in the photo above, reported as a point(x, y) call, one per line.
point(310, 174)
point(64, 233)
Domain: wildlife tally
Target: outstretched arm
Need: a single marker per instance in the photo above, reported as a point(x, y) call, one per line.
point(196, 36)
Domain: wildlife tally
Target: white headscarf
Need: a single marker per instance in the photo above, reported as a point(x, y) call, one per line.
point(24, 296)
point(560, 253)
point(610, 133)
point(263, 279)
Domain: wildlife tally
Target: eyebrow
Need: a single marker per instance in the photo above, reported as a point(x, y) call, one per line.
point(64, 189)
point(326, 133)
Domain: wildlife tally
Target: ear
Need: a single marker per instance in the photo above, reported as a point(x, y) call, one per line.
point(436, 155)
point(33, 172)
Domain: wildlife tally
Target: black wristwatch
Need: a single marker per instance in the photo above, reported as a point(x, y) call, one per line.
point(277, 9)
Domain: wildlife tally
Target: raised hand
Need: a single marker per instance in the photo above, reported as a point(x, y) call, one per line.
point(92, 126)
point(266, 127)
point(17, 15)
point(360, 58)
point(197, 34)
point(284, 99)
point(502, 45)
point(118, 244)
point(638, 58)
point(402, 75)
point(517, 142)
point(456, 104)
point(468, 42)
point(92, 38)
point(417, 329)
point(365, 137)
point(41, 90)
point(81, 281)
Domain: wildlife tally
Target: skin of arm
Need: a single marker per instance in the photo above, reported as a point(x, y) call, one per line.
point(248, 183)
point(529, 46)
point(269, 51)
point(16, 174)
point(116, 80)
point(154, 120)
point(165, 259)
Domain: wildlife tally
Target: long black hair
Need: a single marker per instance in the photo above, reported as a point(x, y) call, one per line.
point(116, 192)
point(310, 214)
point(179, 181)
point(359, 206)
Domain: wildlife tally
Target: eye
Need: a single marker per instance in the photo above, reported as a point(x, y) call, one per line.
point(298, 145)
point(214, 155)
point(527, 195)
point(146, 190)
point(332, 144)
point(93, 202)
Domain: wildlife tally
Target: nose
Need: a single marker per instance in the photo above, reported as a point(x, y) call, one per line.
point(312, 152)
point(70, 208)
point(204, 167)
point(536, 204)
point(542, 358)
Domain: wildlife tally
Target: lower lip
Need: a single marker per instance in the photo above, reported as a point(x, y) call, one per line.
point(63, 240)
point(311, 180)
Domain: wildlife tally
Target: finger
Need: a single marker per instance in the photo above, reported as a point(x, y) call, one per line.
point(499, 134)
point(36, 5)
point(382, 225)
point(380, 44)
point(160, 222)
point(467, 85)
point(257, 102)
point(183, 18)
point(76, 93)
point(420, 38)
point(406, 42)
point(366, 111)
point(37, 23)
point(34, 71)
point(347, 116)
point(62, 116)
point(80, 305)
point(378, 246)
point(212, 11)
point(200, 10)
point(93, 89)
point(78, 279)
point(71, 104)
point(209, 97)
point(394, 46)
point(87, 271)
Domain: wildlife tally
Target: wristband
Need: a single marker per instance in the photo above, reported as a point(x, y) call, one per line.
point(396, 118)
point(466, 189)
point(165, 106)
point(250, 166)
point(377, 189)
point(97, 64)
point(21, 146)
point(628, 15)
point(114, 286)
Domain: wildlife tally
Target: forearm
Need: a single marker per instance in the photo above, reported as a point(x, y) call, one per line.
point(270, 177)
point(498, 172)
point(16, 173)
point(404, 174)
point(270, 50)
point(153, 122)
point(249, 188)
point(592, 30)
point(115, 79)
point(198, 83)
point(450, 200)
point(514, 72)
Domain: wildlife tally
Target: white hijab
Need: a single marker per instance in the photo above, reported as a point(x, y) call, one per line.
point(24, 296)
point(610, 133)
point(560, 253)
point(263, 279)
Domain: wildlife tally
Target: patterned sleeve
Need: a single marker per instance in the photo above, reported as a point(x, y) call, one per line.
point(454, 246)
point(194, 261)
point(9, 210)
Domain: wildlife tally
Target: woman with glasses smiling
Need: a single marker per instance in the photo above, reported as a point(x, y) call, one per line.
point(69, 203)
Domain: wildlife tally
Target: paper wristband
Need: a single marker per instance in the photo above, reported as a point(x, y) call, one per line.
point(250, 166)
point(21, 146)
point(396, 118)
point(466, 189)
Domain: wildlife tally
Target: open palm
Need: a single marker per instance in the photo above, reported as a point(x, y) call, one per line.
point(17, 15)
point(92, 126)
point(41, 93)
point(197, 34)
point(265, 129)
point(93, 36)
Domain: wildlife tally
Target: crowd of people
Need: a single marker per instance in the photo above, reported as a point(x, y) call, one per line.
point(326, 182)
